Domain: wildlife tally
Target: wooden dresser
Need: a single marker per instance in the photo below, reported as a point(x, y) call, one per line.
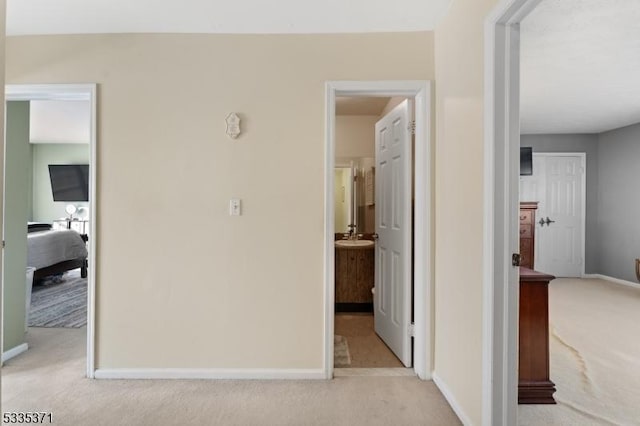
point(534, 384)
point(527, 232)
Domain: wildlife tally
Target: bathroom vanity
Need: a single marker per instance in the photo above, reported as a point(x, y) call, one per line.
point(354, 275)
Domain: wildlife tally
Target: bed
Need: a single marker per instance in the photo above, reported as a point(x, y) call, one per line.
point(56, 251)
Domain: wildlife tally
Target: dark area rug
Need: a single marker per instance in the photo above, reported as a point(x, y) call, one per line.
point(60, 302)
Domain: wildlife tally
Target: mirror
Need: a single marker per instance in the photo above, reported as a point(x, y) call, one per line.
point(354, 194)
point(344, 191)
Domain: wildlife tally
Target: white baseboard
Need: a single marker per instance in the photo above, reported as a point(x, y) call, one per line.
point(453, 402)
point(374, 372)
point(613, 280)
point(209, 373)
point(14, 352)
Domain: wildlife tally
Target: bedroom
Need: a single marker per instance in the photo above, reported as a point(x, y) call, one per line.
point(579, 210)
point(46, 187)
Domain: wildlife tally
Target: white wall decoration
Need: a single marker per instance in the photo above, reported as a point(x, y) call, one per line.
point(233, 125)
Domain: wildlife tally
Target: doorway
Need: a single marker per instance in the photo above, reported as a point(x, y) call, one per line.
point(502, 138)
point(420, 92)
point(373, 306)
point(80, 215)
point(558, 183)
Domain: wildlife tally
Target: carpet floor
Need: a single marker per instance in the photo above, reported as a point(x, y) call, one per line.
point(594, 355)
point(366, 348)
point(50, 377)
point(60, 304)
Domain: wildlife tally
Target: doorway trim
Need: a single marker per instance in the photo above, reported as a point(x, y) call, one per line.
point(32, 92)
point(423, 250)
point(501, 198)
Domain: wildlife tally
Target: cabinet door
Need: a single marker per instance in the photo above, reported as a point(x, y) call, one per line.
point(365, 276)
point(345, 275)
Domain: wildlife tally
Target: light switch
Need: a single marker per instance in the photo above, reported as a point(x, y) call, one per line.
point(235, 208)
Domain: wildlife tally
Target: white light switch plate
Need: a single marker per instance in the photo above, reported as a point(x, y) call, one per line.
point(235, 207)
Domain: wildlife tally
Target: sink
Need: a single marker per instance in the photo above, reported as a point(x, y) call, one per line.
point(354, 243)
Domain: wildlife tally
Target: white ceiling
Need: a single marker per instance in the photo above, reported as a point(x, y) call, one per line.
point(229, 16)
point(580, 66)
point(346, 105)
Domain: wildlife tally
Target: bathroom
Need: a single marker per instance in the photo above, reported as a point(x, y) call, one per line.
point(357, 343)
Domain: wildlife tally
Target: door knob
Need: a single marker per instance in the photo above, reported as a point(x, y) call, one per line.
point(516, 259)
point(375, 237)
point(541, 222)
point(548, 221)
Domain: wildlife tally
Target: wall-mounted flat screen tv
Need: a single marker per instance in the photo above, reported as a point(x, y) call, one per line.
point(526, 161)
point(69, 182)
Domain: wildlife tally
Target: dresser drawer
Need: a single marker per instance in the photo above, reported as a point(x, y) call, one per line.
point(526, 253)
point(526, 231)
point(526, 216)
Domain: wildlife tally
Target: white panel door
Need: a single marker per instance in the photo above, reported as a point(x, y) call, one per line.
point(558, 185)
point(392, 304)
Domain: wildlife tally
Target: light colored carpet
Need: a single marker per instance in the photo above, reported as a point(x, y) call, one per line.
point(341, 356)
point(595, 355)
point(50, 377)
point(60, 304)
point(366, 348)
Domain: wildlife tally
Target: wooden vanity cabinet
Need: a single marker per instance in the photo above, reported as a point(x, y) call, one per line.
point(354, 278)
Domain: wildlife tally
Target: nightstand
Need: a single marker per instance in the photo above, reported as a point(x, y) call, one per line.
point(80, 226)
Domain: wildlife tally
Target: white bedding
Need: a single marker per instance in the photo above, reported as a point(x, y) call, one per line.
point(47, 248)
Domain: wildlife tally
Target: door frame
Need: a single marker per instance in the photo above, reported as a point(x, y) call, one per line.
point(423, 245)
point(583, 203)
point(501, 200)
point(32, 92)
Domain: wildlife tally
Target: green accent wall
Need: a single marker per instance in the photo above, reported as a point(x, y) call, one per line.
point(17, 194)
point(44, 209)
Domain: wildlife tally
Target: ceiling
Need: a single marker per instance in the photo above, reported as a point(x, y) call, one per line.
point(580, 66)
point(233, 17)
point(360, 105)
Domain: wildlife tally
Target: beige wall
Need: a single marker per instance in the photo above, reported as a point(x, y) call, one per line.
point(180, 283)
point(393, 102)
point(355, 136)
point(459, 202)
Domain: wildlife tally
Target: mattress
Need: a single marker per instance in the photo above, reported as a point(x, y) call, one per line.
point(47, 248)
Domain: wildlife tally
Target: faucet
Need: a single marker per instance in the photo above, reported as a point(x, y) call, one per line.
point(352, 232)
